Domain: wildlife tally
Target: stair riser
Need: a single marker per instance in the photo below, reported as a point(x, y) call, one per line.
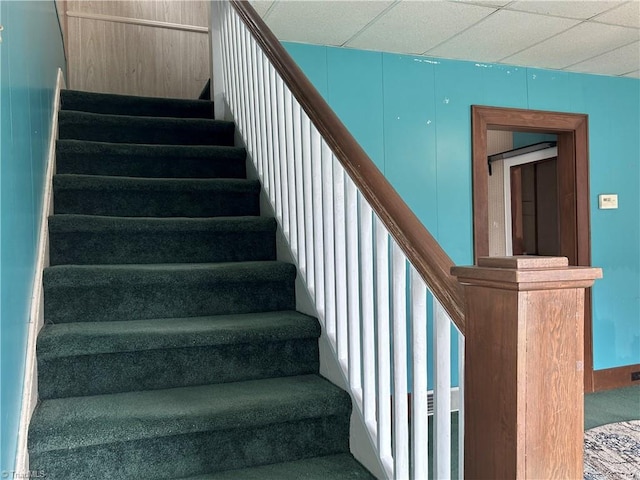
point(132, 203)
point(127, 105)
point(149, 161)
point(195, 454)
point(98, 128)
point(129, 302)
point(113, 247)
point(144, 370)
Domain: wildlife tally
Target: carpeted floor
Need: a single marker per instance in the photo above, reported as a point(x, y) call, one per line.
point(611, 406)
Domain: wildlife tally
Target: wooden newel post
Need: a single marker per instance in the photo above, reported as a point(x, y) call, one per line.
point(524, 411)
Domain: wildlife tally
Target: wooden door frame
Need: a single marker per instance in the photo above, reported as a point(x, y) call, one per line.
point(573, 188)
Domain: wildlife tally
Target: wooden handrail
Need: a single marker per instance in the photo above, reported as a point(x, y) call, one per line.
point(422, 250)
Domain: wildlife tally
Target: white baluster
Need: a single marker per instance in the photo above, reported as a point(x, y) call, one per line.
point(290, 173)
point(368, 314)
point(384, 356)
point(273, 138)
point(400, 408)
point(254, 135)
point(266, 180)
point(419, 413)
point(340, 240)
point(282, 160)
point(264, 80)
point(353, 291)
point(442, 392)
point(329, 246)
point(460, 405)
point(318, 214)
point(299, 182)
point(308, 203)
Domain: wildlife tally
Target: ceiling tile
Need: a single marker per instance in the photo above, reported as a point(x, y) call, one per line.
point(501, 35)
point(423, 25)
point(627, 15)
point(322, 22)
point(616, 62)
point(569, 9)
point(575, 45)
point(261, 6)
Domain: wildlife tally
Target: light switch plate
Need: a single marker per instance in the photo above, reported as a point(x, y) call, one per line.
point(608, 201)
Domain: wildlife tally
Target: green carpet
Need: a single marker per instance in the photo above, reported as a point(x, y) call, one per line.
point(610, 406)
point(171, 346)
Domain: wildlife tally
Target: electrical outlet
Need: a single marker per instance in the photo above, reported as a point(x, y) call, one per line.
point(635, 376)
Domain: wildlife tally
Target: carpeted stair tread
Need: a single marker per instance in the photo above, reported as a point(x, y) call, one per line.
point(90, 338)
point(136, 292)
point(131, 129)
point(93, 239)
point(131, 416)
point(133, 105)
point(330, 467)
point(153, 161)
point(155, 197)
point(93, 358)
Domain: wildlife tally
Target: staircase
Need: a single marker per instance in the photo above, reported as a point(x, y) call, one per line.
point(171, 346)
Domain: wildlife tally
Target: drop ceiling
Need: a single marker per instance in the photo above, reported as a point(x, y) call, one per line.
point(599, 37)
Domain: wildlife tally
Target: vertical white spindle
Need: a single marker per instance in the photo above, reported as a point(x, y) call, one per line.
point(368, 314)
point(353, 291)
point(285, 158)
point(233, 49)
point(318, 214)
point(262, 97)
point(329, 250)
point(290, 172)
point(242, 84)
point(222, 18)
point(461, 361)
point(442, 392)
point(299, 182)
point(261, 124)
point(308, 203)
point(384, 346)
point(340, 240)
point(419, 413)
point(272, 139)
point(244, 121)
point(400, 390)
point(281, 179)
point(255, 133)
point(277, 126)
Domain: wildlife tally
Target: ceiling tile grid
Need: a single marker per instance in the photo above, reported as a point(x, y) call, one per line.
point(600, 37)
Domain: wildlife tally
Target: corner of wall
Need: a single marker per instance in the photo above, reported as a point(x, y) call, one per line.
point(36, 315)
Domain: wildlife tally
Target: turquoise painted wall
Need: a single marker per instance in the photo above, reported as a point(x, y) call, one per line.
point(412, 116)
point(30, 55)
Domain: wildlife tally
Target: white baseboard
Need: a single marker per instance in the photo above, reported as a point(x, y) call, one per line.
point(36, 315)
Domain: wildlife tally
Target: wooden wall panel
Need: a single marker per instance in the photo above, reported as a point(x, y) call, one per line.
point(116, 57)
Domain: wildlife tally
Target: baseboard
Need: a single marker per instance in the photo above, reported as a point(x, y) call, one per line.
point(36, 315)
point(615, 377)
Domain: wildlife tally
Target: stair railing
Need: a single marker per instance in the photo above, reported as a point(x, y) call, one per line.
point(376, 276)
point(374, 272)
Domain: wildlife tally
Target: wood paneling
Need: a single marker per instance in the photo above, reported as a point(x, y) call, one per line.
point(116, 57)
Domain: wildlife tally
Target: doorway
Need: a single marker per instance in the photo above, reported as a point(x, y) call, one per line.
point(572, 170)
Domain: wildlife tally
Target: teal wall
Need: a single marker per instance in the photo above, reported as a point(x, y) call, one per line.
point(412, 116)
point(30, 55)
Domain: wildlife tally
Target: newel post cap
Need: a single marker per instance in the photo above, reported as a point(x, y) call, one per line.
point(526, 273)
